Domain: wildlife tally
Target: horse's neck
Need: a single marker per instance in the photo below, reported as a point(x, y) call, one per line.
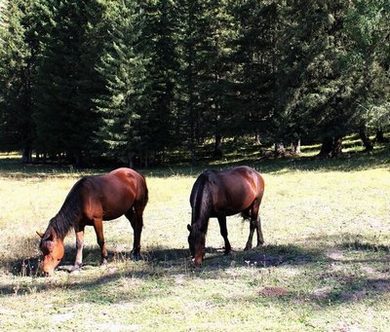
point(201, 224)
point(61, 224)
point(51, 231)
point(202, 201)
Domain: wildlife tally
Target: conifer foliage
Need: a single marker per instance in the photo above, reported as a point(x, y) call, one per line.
point(136, 81)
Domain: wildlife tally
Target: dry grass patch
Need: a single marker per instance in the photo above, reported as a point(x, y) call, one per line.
point(325, 265)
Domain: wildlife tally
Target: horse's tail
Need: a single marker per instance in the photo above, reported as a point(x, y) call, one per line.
point(246, 214)
point(145, 194)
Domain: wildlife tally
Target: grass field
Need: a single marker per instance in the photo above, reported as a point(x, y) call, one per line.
point(325, 265)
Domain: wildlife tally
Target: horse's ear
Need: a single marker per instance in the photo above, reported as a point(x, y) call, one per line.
point(189, 227)
point(40, 234)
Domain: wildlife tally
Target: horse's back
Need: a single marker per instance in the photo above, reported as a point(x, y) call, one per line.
point(230, 191)
point(113, 194)
point(243, 179)
point(251, 178)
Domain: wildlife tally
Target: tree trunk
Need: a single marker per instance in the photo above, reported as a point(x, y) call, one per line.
point(218, 147)
point(146, 160)
point(379, 137)
point(78, 160)
point(130, 159)
point(331, 147)
point(27, 155)
point(257, 138)
point(365, 139)
point(296, 146)
point(280, 150)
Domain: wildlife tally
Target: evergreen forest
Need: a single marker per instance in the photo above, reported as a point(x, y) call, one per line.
point(139, 82)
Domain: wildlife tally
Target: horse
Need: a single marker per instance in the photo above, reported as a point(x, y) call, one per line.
point(218, 194)
point(91, 200)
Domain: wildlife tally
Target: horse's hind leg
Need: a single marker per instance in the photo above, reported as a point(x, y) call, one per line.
point(254, 225)
point(260, 238)
point(224, 233)
point(136, 220)
point(98, 226)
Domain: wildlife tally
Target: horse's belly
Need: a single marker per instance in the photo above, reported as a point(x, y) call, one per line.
point(108, 210)
point(224, 213)
point(110, 214)
point(117, 205)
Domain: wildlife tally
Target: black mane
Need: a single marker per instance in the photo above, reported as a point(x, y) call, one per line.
point(201, 201)
point(70, 212)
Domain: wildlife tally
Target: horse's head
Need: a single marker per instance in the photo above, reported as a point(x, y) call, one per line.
point(52, 248)
point(196, 242)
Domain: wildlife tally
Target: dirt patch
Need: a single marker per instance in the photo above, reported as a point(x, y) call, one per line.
point(321, 293)
point(335, 255)
point(353, 295)
point(273, 292)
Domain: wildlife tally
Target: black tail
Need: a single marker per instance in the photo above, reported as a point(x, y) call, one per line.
point(246, 214)
point(145, 197)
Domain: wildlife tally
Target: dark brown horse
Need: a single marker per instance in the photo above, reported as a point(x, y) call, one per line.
point(92, 200)
point(220, 194)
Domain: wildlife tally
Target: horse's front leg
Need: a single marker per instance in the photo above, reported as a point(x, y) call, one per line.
point(98, 226)
point(224, 233)
point(79, 247)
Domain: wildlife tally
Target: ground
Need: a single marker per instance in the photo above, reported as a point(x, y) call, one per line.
point(325, 265)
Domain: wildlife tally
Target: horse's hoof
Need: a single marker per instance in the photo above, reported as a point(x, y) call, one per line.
point(135, 256)
point(247, 248)
point(75, 269)
point(104, 261)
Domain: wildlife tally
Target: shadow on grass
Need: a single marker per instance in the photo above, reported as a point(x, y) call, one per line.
point(175, 259)
point(160, 267)
point(350, 161)
point(360, 245)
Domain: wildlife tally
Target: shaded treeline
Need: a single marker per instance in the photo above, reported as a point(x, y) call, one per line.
point(134, 81)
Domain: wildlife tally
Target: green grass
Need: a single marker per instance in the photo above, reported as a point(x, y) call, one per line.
point(325, 265)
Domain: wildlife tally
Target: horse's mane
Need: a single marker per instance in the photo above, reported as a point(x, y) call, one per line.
point(69, 213)
point(201, 201)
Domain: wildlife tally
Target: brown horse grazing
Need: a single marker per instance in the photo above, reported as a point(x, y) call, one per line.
point(92, 200)
point(220, 194)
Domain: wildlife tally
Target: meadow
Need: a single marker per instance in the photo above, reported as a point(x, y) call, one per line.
point(325, 265)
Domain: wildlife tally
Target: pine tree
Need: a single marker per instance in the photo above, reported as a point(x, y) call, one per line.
point(366, 25)
point(205, 72)
point(68, 81)
point(121, 69)
point(256, 59)
point(312, 84)
point(18, 58)
point(156, 102)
